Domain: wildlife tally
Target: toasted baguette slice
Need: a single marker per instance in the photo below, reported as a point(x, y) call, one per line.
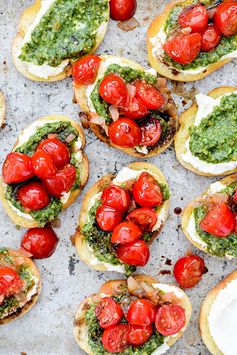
point(2, 109)
point(205, 311)
point(21, 311)
point(164, 69)
point(84, 169)
point(186, 121)
point(196, 202)
point(113, 288)
point(82, 99)
point(27, 18)
point(85, 253)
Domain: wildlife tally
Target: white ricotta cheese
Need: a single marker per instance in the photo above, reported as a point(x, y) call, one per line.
point(19, 213)
point(161, 215)
point(78, 144)
point(65, 197)
point(161, 349)
point(142, 149)
point(216, 187)
point(191, 229)
point(168, 288)
point(94, 261)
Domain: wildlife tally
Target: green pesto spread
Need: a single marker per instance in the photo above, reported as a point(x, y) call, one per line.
point(95, 333)
point(68, 30)
point(214, 140)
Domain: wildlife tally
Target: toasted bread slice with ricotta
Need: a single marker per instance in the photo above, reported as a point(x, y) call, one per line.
point(27, 20)
point(114, 288)
point(2, 109)
point(83, 166)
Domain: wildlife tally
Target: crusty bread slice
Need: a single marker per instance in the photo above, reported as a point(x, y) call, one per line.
point(186, 121)
point(21, 311)
point(205, 310)
point(83, 250)
point(196, 202)
point(81, 97)
point(164, 69)
point(84, 169)
point(27, 18)
point(2, 109)
point(111, 288)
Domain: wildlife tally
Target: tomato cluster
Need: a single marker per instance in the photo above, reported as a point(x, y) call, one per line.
point(127, 226)
point(197, 35)
point(142, 318)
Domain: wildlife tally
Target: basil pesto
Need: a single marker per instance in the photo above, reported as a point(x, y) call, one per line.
point(214, 140)
point(68, 30)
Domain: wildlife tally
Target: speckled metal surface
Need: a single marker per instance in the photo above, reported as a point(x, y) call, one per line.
point(47, 328)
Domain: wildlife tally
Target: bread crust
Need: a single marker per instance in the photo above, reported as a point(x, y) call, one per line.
point(186, 120)
point(2, 109)
point(157, 24)
point(205, 310)
point(27, 18)
point(80, 327)
point(80, 95)
point(191, 206)
point(35, 297)
point(81, 245)
point(84, 169)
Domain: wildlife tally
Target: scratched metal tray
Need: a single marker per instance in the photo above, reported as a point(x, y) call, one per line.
point(47, 328)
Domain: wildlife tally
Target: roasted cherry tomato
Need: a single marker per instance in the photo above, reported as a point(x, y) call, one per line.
point(108, 312)
point(195, 17)
point(210, 38)
point(149, 95)
point(146, 191)
point(225, 18)
point(116, 197)
point(40, 242)
point(10, 281)
point(135, 253)
point(113, 90)
point(136, 109)
point(115, 338)
point(16, 168)
point(188, 270)
point(122, 10)
point(108, 218)
point(43, 165)
point(33, 196)
point(138, 335)
point(126, 232)
point(235, 197)
point(219, 221)
point(151, 132)
point(85, 70)
point(184, 49)
point(141, 312)
point(62, 182)
point(125, 133)
point(57, 150)
point(170, 319)
point(146, 218)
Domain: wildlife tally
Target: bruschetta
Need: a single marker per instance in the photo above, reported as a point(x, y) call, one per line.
point(120, 215)
point(190, 39)
point(127, 107)
point(53, 34)
point(45, 171)
point(2, 109)
point(20, 284)
point(218, 317)
point(139, 315)
point(207, 138)
point(209, 222)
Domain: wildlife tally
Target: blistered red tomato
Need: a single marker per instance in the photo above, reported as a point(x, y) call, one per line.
point(170, 319)
point(225, 18)
point(10, 281)
point(33, 196)
point(235, 197)
point(210, 38)
point(195, 17)
point(188, 270)
point(108, 312)
point(125, 133)
point(57, 150)
point(146, 191)
point(40, 242)
point(122, 10)
point(141, 312)
point(62, 182)
point(116, 197)
point(135, 253)
point(108, 218)
point(115, 338)
point(151, 132)
point(17, 168)
point(145, 218)
point(113, 90)
point(149, 95)
point(136, 109)
point(43, 165)
point(126, 232)
point(85, 70)
point(138, 335)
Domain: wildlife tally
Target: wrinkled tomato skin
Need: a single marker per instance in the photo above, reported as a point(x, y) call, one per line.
point(125, 133)
point(33, 196)
point(210, 38)
point(62, 182)
point(195, 17)
point(17, 168)
point(113, 90)
point(151, 132)
point(225, 18)
point(43, 165)
point(115, 338)
point(149, 95)
point(144, 217)
point(40, 242)
point(108, 312)
point(116, 197)
point(135, 110)
point(57, 150)
point(170, 319)
point(122, 10)
point(188, 270)
point(85, 70)
point(219, 221)
point(141, 312)
point(135, 253)
point(108, 218)
point(126, 232)
point(10, 281)
point(146, 191)
point(138, 335)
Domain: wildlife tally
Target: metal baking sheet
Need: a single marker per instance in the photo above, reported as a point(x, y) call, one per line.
point(47, 328)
